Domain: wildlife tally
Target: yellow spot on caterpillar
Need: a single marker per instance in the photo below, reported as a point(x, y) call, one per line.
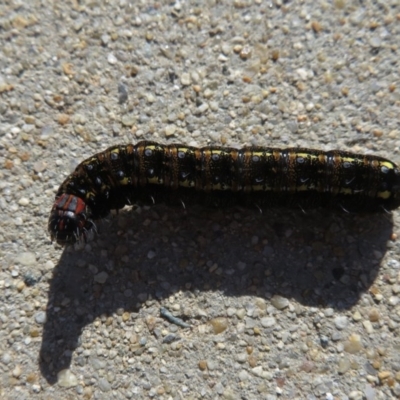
point(155, 180)
point(346, 191)
point(257, 188)
point(92, 160)
point(349, 159)
point(187, 183)
point(258, 154)
point(384, 195)
point(90, 195)
point(302, 188)
point(387, 164)
point(124, 181)
point(308, 155)
point(268, 154)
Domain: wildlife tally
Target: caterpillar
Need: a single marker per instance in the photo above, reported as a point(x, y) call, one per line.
point(262, 177)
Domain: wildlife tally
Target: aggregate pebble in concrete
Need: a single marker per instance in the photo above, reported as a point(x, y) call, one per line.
point(280, 305)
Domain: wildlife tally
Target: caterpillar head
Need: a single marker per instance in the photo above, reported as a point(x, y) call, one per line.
point(70, 220)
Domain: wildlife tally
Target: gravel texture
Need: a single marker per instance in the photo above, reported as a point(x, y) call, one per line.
point(279, 305)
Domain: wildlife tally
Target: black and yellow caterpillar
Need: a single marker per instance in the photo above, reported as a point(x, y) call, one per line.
point(261, 177)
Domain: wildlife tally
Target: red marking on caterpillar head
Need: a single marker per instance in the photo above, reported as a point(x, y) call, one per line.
point(69, 220)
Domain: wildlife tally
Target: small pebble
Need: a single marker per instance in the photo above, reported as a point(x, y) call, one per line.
point(40, 317)
point(219, 324)
point(101, 277)
point(353, 345)
point(105, 39)
point(36, 388)
point(63, 119)
point(128, 120)
point(14, 273)
point(396, 390)
point(293, 126)
point(171, 337)
point(201, 109)
point(172, 117)
point(6, 358)
point(394, 300)
point(202, 365)
point(245, 53)
point(368, 326)
point(307, 366)
point(151, 254)
point(279, 302)
point(126, 316)
point(170, 130)
point(241, 358)
point(373, 315)
point(396, 289)
point(324, 341)
point(65, 378)
point(104, 385)
point(384, 375)
point(18, 221)
point(258, 371)
point(355, 395)
point(39, 166)
point(375, 42)
point(329, 312)
point(185, 79)
point(112, 59)
point(122, 93)
point(344, 365)
point(16, 372)
point(31, 279)
point(268, 322)
point(341, 322)
point(211, 365)
point(357, 316)
point(243, 375)
point(302, 72)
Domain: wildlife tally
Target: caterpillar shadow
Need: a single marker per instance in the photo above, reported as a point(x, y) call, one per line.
point(318, 259)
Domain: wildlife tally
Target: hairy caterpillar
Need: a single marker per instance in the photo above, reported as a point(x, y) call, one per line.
point(176, 174)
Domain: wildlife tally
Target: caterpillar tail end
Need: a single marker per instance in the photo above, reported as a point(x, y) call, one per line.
point(70, 221)
point(390, 194)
